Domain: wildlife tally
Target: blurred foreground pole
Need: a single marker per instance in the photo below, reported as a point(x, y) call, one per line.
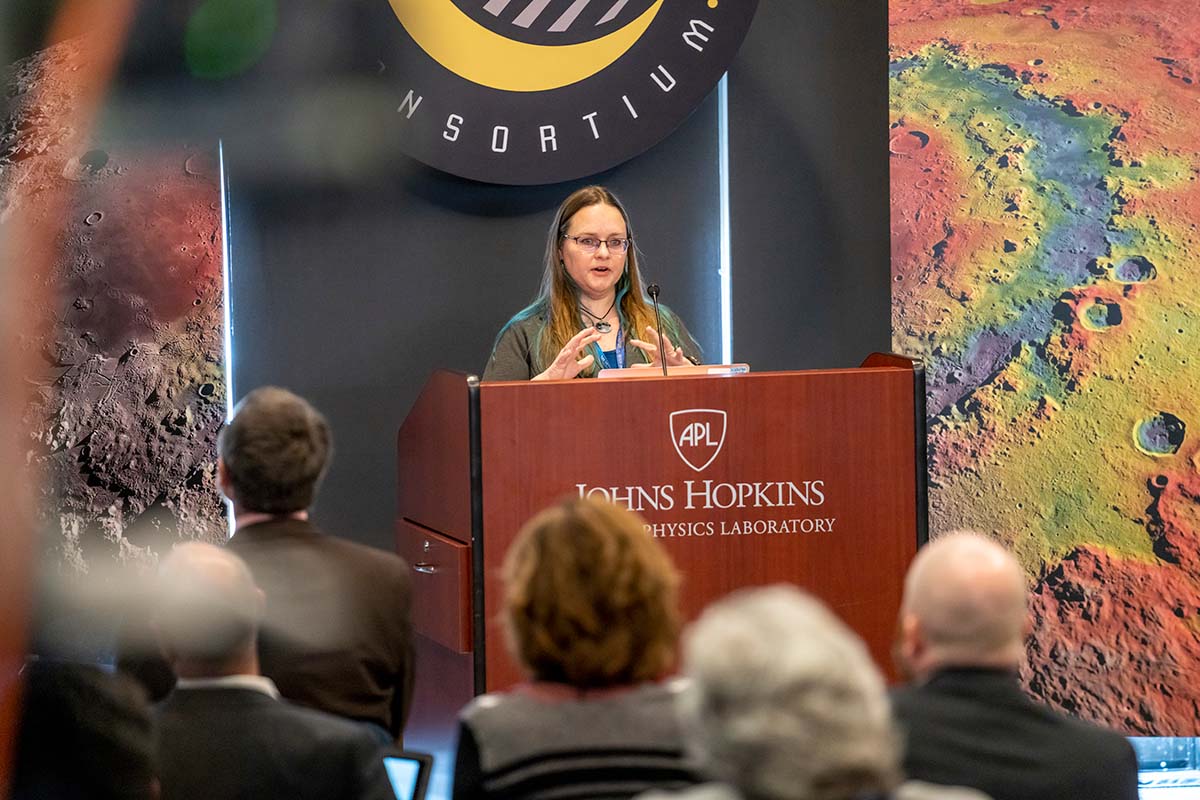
point(101, 28)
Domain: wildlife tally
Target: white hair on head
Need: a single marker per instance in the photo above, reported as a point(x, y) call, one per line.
point(970, 597)
point(784, 701)
point(208, 606)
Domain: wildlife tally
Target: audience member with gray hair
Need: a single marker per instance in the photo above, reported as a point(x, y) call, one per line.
point(224, 732)
point(784, 703)
point(967, 721)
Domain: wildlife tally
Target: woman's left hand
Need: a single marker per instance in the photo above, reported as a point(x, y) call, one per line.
point(675, 356)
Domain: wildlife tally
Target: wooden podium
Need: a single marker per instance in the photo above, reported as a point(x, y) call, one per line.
point(815, 478)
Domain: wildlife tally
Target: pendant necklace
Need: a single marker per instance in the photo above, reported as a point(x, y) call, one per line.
point(600, 323)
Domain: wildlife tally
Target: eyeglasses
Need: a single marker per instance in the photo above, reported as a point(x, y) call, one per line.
point(590, 244)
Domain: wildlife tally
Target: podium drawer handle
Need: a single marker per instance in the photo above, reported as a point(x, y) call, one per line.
point(425, 569)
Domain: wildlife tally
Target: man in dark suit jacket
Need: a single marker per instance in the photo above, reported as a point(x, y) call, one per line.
point(966, 719)
point(224, 733)
point(83, 735)
point(337, 633)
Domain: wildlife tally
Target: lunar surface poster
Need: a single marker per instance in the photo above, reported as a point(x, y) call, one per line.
point(123, 416)
point(1046, 264)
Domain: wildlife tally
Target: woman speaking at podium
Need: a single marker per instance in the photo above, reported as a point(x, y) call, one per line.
point(592, 307)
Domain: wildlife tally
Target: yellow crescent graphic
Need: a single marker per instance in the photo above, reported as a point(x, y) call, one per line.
point(471, 51)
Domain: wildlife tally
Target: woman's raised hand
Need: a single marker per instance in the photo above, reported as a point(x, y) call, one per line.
point(675, 355)
point(565, 364)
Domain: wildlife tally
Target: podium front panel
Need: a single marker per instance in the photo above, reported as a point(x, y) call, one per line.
point(747, 480)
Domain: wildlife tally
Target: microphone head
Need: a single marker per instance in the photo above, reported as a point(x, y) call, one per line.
point(652, 290)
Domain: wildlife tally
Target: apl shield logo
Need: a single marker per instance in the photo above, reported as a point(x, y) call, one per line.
point(698, 434)
point(542, 91)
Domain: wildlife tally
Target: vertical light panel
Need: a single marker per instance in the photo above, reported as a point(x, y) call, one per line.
point(226, 302)
point(726, 266)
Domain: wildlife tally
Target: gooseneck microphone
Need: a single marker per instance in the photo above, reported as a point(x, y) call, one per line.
point(652, 290)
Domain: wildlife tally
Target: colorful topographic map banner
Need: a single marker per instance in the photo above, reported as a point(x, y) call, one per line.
point(1044, 162)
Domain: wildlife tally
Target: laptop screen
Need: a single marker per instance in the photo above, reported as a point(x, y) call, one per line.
point(405, 773)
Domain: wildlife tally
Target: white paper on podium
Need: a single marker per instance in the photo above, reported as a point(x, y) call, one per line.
point(673, 372)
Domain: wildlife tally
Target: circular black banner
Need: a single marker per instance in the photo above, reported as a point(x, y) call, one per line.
point(529, 92)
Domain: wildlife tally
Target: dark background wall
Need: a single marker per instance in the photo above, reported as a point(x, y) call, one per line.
point(357, 271)
point(808, 120)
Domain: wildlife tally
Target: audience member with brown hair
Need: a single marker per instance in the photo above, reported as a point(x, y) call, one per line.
point(337, 634)
point(966, 718)
point(224, 733)
point(590, 606)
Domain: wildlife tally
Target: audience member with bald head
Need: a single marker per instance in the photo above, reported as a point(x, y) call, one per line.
point(964, 604)
point(966, 719)
point(208, 612)
point(224, 732)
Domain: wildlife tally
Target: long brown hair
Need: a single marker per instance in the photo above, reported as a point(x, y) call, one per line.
point(558, 299)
